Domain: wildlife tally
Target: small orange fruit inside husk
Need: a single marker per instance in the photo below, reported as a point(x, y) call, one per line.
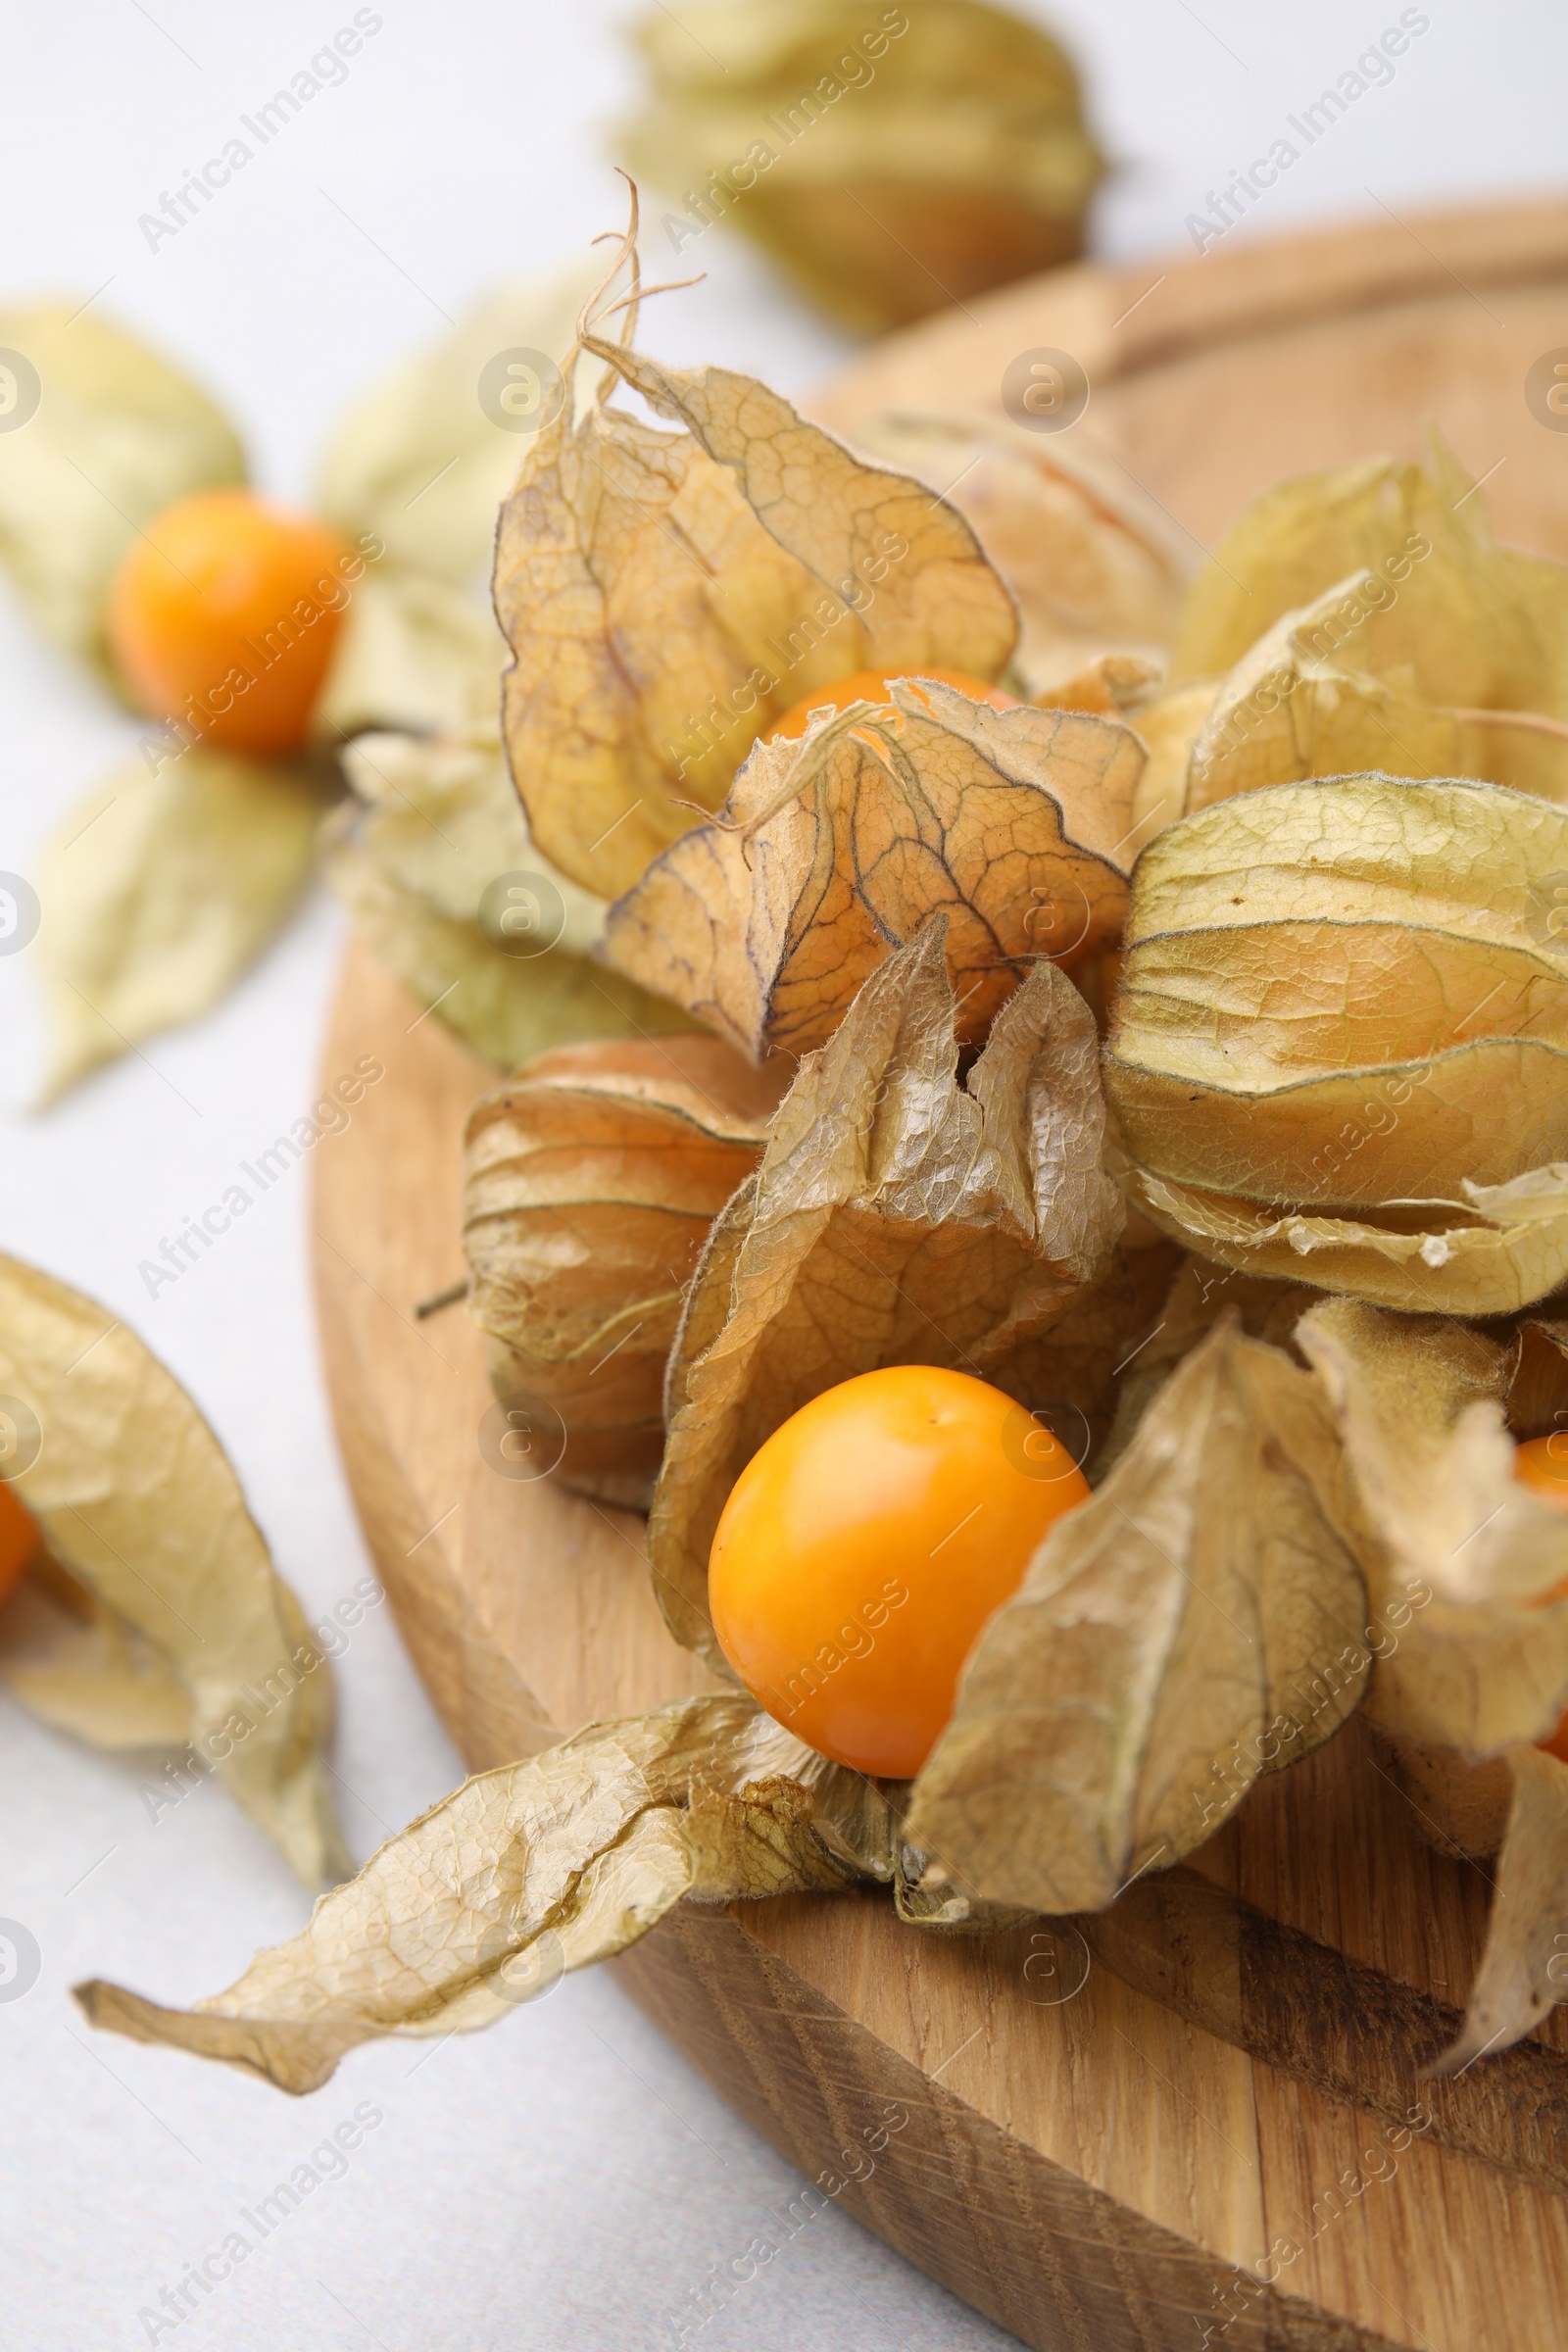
point(871, 685)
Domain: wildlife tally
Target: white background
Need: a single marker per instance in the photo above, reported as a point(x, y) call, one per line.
point(562, 2180)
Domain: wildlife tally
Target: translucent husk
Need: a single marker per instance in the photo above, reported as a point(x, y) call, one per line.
point(589, 1185)
point(1339, 1040)
point(891, 161)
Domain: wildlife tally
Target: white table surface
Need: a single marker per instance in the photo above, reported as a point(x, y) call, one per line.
point(563, 2179)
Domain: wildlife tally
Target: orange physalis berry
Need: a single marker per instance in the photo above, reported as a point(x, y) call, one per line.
point(225, 615)
point(864, 1546)
point(871, 686)
point(19, 1536)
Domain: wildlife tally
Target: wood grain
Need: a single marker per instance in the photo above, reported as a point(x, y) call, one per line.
point(1101, 2163)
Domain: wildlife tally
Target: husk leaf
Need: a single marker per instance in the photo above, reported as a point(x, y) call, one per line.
point(1491, 1253)
point(432, 824)
point(1469, 622)
point(748, 558)
point(1483, 1661)
point(76, 1663)
point(1307, 699)
point(160, 891)
point(1197, 1295)
point(834, 850)
point(1091, 563)
point(118, 435)
point(529, 1871)
point(955, 161)
point(139, 1504)
point(1521, 1973)
point(897, 1217)
point(1348, 997)
point(415, 652)
point(590, 1182)
point(1119, 1705)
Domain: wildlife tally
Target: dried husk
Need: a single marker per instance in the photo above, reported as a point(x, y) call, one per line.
point(1496, 1249)
point(590, 1182)
point(835, 850)
point(1339, 1039)
point(415, 654)
point(531, 1870)
point(139, 1506)
point(1469, 1567)
point(1523, 1971)
point(899, 160)
point(1174, 1637)
point(667, 596)
point(899, 1216)
point(1196, 1294)
point(1468, 622)
point(119, 434)
point(1363, 617)
point(160, 891)
point(1467, 1575)
point(78, 1664)
point(433, 822)
point(420, 465)
point(1306, 701)
point(1093, 565)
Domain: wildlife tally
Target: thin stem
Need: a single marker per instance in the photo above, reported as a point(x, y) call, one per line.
point(1536, 722)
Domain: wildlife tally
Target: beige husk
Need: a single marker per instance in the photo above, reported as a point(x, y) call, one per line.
point(194, 1636)
point(1340, 1040)
point(834, 850)
point(527, 1872)
point(899, 1216)
point(891, 161)
point(589, 1186)
point(667, 596)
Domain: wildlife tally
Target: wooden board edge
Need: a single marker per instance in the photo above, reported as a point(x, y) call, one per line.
point(1121, 319)
point(1041, 2252)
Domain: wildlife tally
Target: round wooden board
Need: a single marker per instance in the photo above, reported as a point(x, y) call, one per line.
point(1092, 2170)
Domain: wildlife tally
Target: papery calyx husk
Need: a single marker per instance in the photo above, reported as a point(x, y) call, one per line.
point(420, 465)
point(141, 1509)
point(1309, 700)
point(1468, 1566)
point(836, 849)
point(1339, 1046)
point(1182, 1632)
point(900, 1216)
point(667, 596)
point(432, 858)
point(891, 161)
point(590, 1182)
point(160, 891)
point(1520, 1977)
point(1093, 566)
point(528, 1872)
point(1363, 617)
point(1467, 1575)
point(1469, 622)
point(118, 435)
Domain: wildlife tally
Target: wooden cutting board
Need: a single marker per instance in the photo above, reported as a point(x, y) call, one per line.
point(1185, 2117)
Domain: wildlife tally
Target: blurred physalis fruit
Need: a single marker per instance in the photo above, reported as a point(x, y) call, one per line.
point(864, 1546)
point(871, 686)
point(19, 1536)
point(1542, 1465)
point(225, 615)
